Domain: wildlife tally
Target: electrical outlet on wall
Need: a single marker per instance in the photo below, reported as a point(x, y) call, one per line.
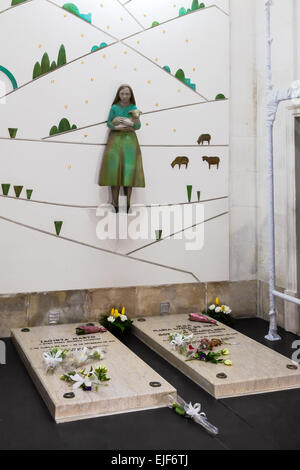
point(164, 308)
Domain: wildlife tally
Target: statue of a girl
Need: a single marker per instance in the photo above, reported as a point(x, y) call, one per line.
point(122, 160)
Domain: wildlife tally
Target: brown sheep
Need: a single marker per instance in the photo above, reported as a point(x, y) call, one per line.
point(204, 138)
point(180, 161)
point(212, 161)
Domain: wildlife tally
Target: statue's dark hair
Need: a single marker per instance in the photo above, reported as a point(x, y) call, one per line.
point(117, 98)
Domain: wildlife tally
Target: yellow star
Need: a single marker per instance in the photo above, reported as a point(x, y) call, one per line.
point(174, 130)
point(149, 81)
point(115, 67)
point(86, 101)
point(66, 106)
point(40, 45)
point(69, 166)
point(92, 79)
point(82, 35)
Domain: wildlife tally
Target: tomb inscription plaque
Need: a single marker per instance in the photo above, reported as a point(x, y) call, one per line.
point(128, 390)
point(256, 368)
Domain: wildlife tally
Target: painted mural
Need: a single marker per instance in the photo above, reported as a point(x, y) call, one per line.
point(58, 88)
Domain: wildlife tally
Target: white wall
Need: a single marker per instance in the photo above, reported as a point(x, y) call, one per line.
point(63, 170)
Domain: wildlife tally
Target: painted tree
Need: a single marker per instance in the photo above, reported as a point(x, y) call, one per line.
point(17, 2)
point(195, 5)
point(62, 58)
point(53, 130)
point(45, 64)
point(64, 125)
point(37, 70)
point(180, 75)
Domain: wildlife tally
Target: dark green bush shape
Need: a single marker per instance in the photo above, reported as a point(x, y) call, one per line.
point(37, 70)
point(180, 75)
point(45, 64)
point(64, 125)
point(220, 97)
point(62, 58)
point(17, 2)
point(53, 130)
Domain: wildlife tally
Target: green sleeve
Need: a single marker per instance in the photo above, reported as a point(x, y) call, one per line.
point(110, 119)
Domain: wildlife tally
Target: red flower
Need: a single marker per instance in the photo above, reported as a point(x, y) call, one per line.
point(191, 347)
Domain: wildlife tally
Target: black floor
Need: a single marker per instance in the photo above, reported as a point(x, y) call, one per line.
point(268, 421)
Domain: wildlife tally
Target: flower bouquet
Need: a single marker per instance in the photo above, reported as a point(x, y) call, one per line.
point(200, 354)
point(220, 313)
point(81, 356)
point(193, 412)
point(87, 381)
point(117, 322)
point(180, 341)
point(53, 359)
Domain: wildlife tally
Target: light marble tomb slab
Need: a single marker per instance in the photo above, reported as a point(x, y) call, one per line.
point(256, 368)
point(128, 390)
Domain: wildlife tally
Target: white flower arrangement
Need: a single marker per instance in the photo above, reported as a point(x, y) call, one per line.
point(180, 341)
point(82, 356)
point(87, 380)
point(220, 312)
point(116, 320)
point(53, 359)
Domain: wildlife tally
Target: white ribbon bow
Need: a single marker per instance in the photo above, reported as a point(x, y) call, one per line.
point(194, 411)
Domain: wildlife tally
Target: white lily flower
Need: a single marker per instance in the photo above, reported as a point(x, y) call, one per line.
point(111, 319)
point(218, 310)
point(212, 307)
point(81, 355)
point(179, 340)
point(123, 318)
point(52, 361)
point(79, 381)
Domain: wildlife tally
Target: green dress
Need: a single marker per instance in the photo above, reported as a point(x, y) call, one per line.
point(122, 160)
